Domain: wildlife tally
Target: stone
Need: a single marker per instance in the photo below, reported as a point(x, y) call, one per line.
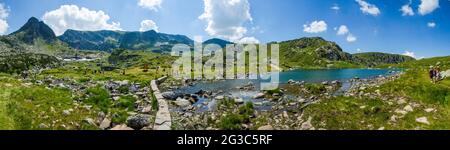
point(66, 112)
point(171, 95)
point(181, 102)
point(266, 127)
point(238, 100)
point(259, 96)
point(121, 127)
point(401, 112)
point(219, 97)
point(381, 128)
point(139, 121)
point(147, 109)
point(408, 108)
point(301, 100)
point(116, 98)
point(43, 126)
point(90, 121)
point(428, 110)
point(307, 125)
point(401, 101)
point(423, 120)
point(106, 123)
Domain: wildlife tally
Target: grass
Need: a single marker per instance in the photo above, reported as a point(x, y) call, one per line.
point(234, 120)
point(26, 107)
point(372, 113)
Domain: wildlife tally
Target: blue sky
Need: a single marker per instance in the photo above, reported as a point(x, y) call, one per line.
point(372, 25)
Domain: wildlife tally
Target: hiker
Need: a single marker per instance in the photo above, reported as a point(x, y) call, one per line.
point(432, 73)
point(438, 73)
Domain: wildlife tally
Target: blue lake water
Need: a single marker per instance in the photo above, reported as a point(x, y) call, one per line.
point(309, 76)
point(231, 87)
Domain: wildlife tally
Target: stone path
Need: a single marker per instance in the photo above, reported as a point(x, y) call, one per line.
point(163, 119)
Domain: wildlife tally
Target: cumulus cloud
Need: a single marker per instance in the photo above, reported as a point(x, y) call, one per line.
point(431, 24)
point(410, 54)
point(407, 10)
point(368, 8)
point(351, 38)
point(78, 18)
point(248, 40)
point(226, 18)
point(147, 25)
point(150, 4)
point(4, 13)
point(428, 6)
point(343, 30)
point(315, 27)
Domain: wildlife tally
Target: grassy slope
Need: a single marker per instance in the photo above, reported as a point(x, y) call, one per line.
point(373, 113)
point(27, 106)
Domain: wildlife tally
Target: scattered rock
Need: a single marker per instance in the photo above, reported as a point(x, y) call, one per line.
point(121, 127)
point(90, 121)
point(307, 125)
point(259, 96)
point(66, 112)
point(139, 121)
point(147, 109)
point(43, 126)
point(266, 127)
point(219, 97)
point(423, 120)
point(408, 108)
point(401, 101)
point(238, 100)
point(106, 123)
point(171, 95)
point(181, 102)
point(428, 110)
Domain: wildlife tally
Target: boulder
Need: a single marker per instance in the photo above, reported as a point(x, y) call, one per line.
point(106, 123)
point(139, 121)
point(219, 97)
point(171, 95)
point(181, 102)
point(239, 101)
point(445, 74)
point(259, 96)
point(423, 120)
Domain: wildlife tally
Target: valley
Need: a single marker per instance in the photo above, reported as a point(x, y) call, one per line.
point(101, 80)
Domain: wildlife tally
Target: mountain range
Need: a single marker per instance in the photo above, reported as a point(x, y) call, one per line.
point(309, 52)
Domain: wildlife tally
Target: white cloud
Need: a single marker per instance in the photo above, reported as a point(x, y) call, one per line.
point(410, 54)
point(368, 8)
point(4, 13)
point(407, 10)
point(315, 27)
point(359, 50)
point(150, 4)
point(335, 7)
point(78, 18)
point(351, 38)
point(226, 18)
point(431, 24)
point(248, 40)
point(147, 25)
point(428, 6)
point(343, 30)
